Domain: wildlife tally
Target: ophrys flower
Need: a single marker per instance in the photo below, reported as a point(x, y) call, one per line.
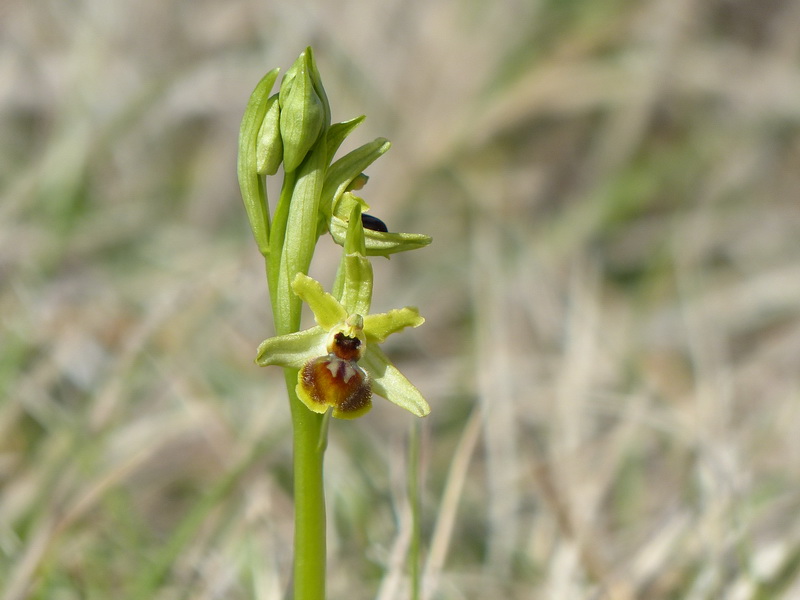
point(339, 359)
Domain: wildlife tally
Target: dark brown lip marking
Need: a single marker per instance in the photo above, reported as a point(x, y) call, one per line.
point(345, 347)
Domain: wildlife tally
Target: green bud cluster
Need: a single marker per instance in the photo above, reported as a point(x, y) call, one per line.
point(287, 128)
point(293, 128)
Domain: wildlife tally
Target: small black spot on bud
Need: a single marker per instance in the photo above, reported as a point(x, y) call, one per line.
point(373, 223)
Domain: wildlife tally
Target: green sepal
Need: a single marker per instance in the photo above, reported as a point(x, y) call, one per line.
point(254, 193)
point(379, 326)
point(388, 382)
point(334, 138)
point(291, 350)
point(269, 146)
point(328, 312)
point(288, 80)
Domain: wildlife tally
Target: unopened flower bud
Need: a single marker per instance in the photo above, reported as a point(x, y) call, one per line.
point(269, 146)
point(302, 113)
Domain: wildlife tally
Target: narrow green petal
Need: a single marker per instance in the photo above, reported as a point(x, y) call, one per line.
point(327, 310)
point(292, 350)
point(391, 384)
point(379, 326)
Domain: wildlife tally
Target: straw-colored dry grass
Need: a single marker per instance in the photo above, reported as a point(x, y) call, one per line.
point(613, 300)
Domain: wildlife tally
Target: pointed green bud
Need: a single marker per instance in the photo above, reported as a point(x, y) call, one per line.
point(316, 80)
point(302, 113)
point(269, 146)
point(253, 192)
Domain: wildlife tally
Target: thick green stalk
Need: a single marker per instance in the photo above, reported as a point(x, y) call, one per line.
point(309, 498)
point(309, 443)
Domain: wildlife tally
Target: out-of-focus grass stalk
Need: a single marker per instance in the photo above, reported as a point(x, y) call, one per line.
point(415, 549)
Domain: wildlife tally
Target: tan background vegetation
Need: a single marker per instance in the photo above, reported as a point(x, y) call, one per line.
point(612, 296)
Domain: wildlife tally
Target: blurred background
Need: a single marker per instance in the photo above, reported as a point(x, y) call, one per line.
point(612, 300)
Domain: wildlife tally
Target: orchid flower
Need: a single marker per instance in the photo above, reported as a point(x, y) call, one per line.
point(339, 359)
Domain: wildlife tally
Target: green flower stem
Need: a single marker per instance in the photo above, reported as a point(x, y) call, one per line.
point(296, 216)
point(309, 497)
point(308, 439)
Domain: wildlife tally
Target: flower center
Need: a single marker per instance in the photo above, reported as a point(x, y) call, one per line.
point(346, 348)
point(346, 340)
